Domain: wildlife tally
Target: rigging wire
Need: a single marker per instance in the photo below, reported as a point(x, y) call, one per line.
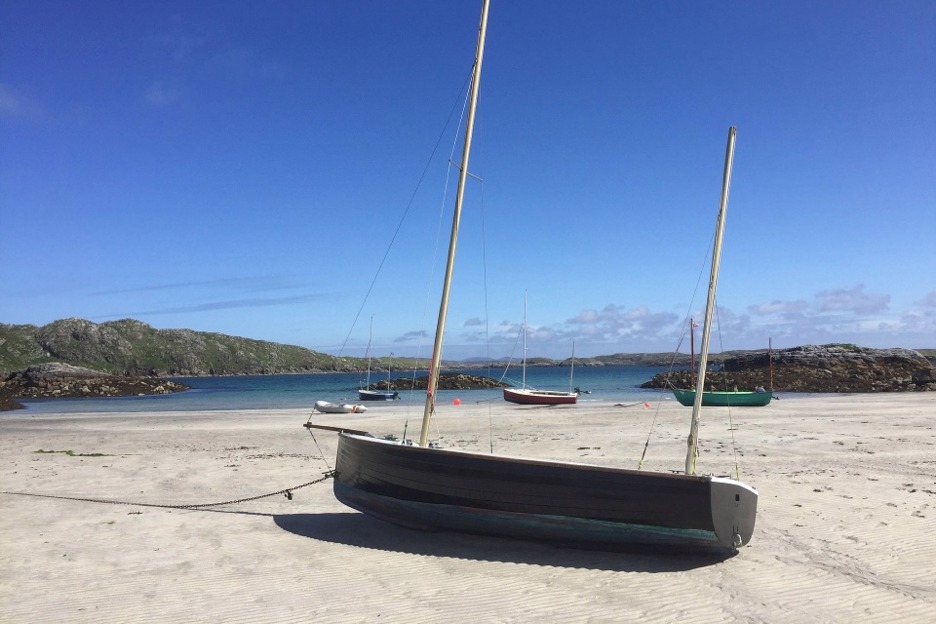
point(438, 237)
point(427, 302)
point(682, 337)
point(695, 291)
point(484, 276)
point(731, 427)
point(721, 346)
point(399, 226)
point(512, 352)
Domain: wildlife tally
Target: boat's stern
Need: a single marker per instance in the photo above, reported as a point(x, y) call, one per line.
point(734, 510)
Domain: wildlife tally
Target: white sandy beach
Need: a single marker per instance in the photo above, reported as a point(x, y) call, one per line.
point(846, 528)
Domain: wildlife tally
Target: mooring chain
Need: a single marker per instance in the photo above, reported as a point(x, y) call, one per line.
point(287, 492)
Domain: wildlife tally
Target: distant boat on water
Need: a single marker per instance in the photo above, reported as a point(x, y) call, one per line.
point(532, 396)
point(368, 393)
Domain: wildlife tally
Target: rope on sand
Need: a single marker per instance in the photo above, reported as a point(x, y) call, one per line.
point(287, 493)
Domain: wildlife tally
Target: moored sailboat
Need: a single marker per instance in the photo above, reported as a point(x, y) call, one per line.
point(758, 397)
point(534, 396)
point(421, 486)
point(368, 393)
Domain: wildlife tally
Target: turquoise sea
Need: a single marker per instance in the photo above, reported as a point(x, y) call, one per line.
point(604, 383)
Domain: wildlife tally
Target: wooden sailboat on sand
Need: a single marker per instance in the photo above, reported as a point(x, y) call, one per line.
point(605, 507)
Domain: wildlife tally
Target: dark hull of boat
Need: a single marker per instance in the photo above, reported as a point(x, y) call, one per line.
point(376, 395)
point(725, 399)
point(559, 502)
point(539, 397)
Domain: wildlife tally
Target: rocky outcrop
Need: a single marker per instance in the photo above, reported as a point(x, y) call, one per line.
point(7, 401)
point(56, 380)
point(447, 381)
point(812, 368)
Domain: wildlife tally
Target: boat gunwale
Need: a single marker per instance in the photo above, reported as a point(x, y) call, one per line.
point(513, 459)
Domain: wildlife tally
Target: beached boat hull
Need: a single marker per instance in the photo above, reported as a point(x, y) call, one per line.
point(558, 502)
point(528, 396)
point(725, 399)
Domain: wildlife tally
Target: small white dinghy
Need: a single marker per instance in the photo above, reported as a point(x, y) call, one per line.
point(327, 407)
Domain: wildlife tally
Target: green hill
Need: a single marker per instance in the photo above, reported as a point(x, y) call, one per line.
point(129, 347)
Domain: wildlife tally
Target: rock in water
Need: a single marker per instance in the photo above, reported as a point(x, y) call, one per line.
point(812, 368)
point(57, 380)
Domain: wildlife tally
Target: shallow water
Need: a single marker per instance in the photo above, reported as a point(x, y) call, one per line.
point(604, 383)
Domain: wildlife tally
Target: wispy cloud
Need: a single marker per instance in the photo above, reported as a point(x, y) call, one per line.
point(16, 105)
point(615, 323)
point(922, 322)
point(853, 300)
point(231, 284)
point(849, 314)
point(176, 52)
point(243, 64)
point(161, 94)
point(178, 46)
point(219, 294)
point(783, 309)
point(231, 304)
point(616, 326)
point(929, 301)
point(411, 336)
point(182, 54)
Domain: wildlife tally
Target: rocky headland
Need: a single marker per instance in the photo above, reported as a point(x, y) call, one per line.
point(57, 380)
point(815, 368)
point(78, 358)
point(131, 348)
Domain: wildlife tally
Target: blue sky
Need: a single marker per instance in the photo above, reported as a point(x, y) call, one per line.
point(247, 167)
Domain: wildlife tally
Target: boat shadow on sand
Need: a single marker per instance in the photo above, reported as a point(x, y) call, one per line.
point(354, 529)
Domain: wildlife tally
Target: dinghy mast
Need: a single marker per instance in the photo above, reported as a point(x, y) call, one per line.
point(693, 443)
point(433, 382)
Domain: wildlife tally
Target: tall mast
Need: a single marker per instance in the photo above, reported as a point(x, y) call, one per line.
point(770, 360)
point(572, 368)
point(370, 337)
point(523, 375)
point(691, 350)
point(433, 383)
point(692, 452)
